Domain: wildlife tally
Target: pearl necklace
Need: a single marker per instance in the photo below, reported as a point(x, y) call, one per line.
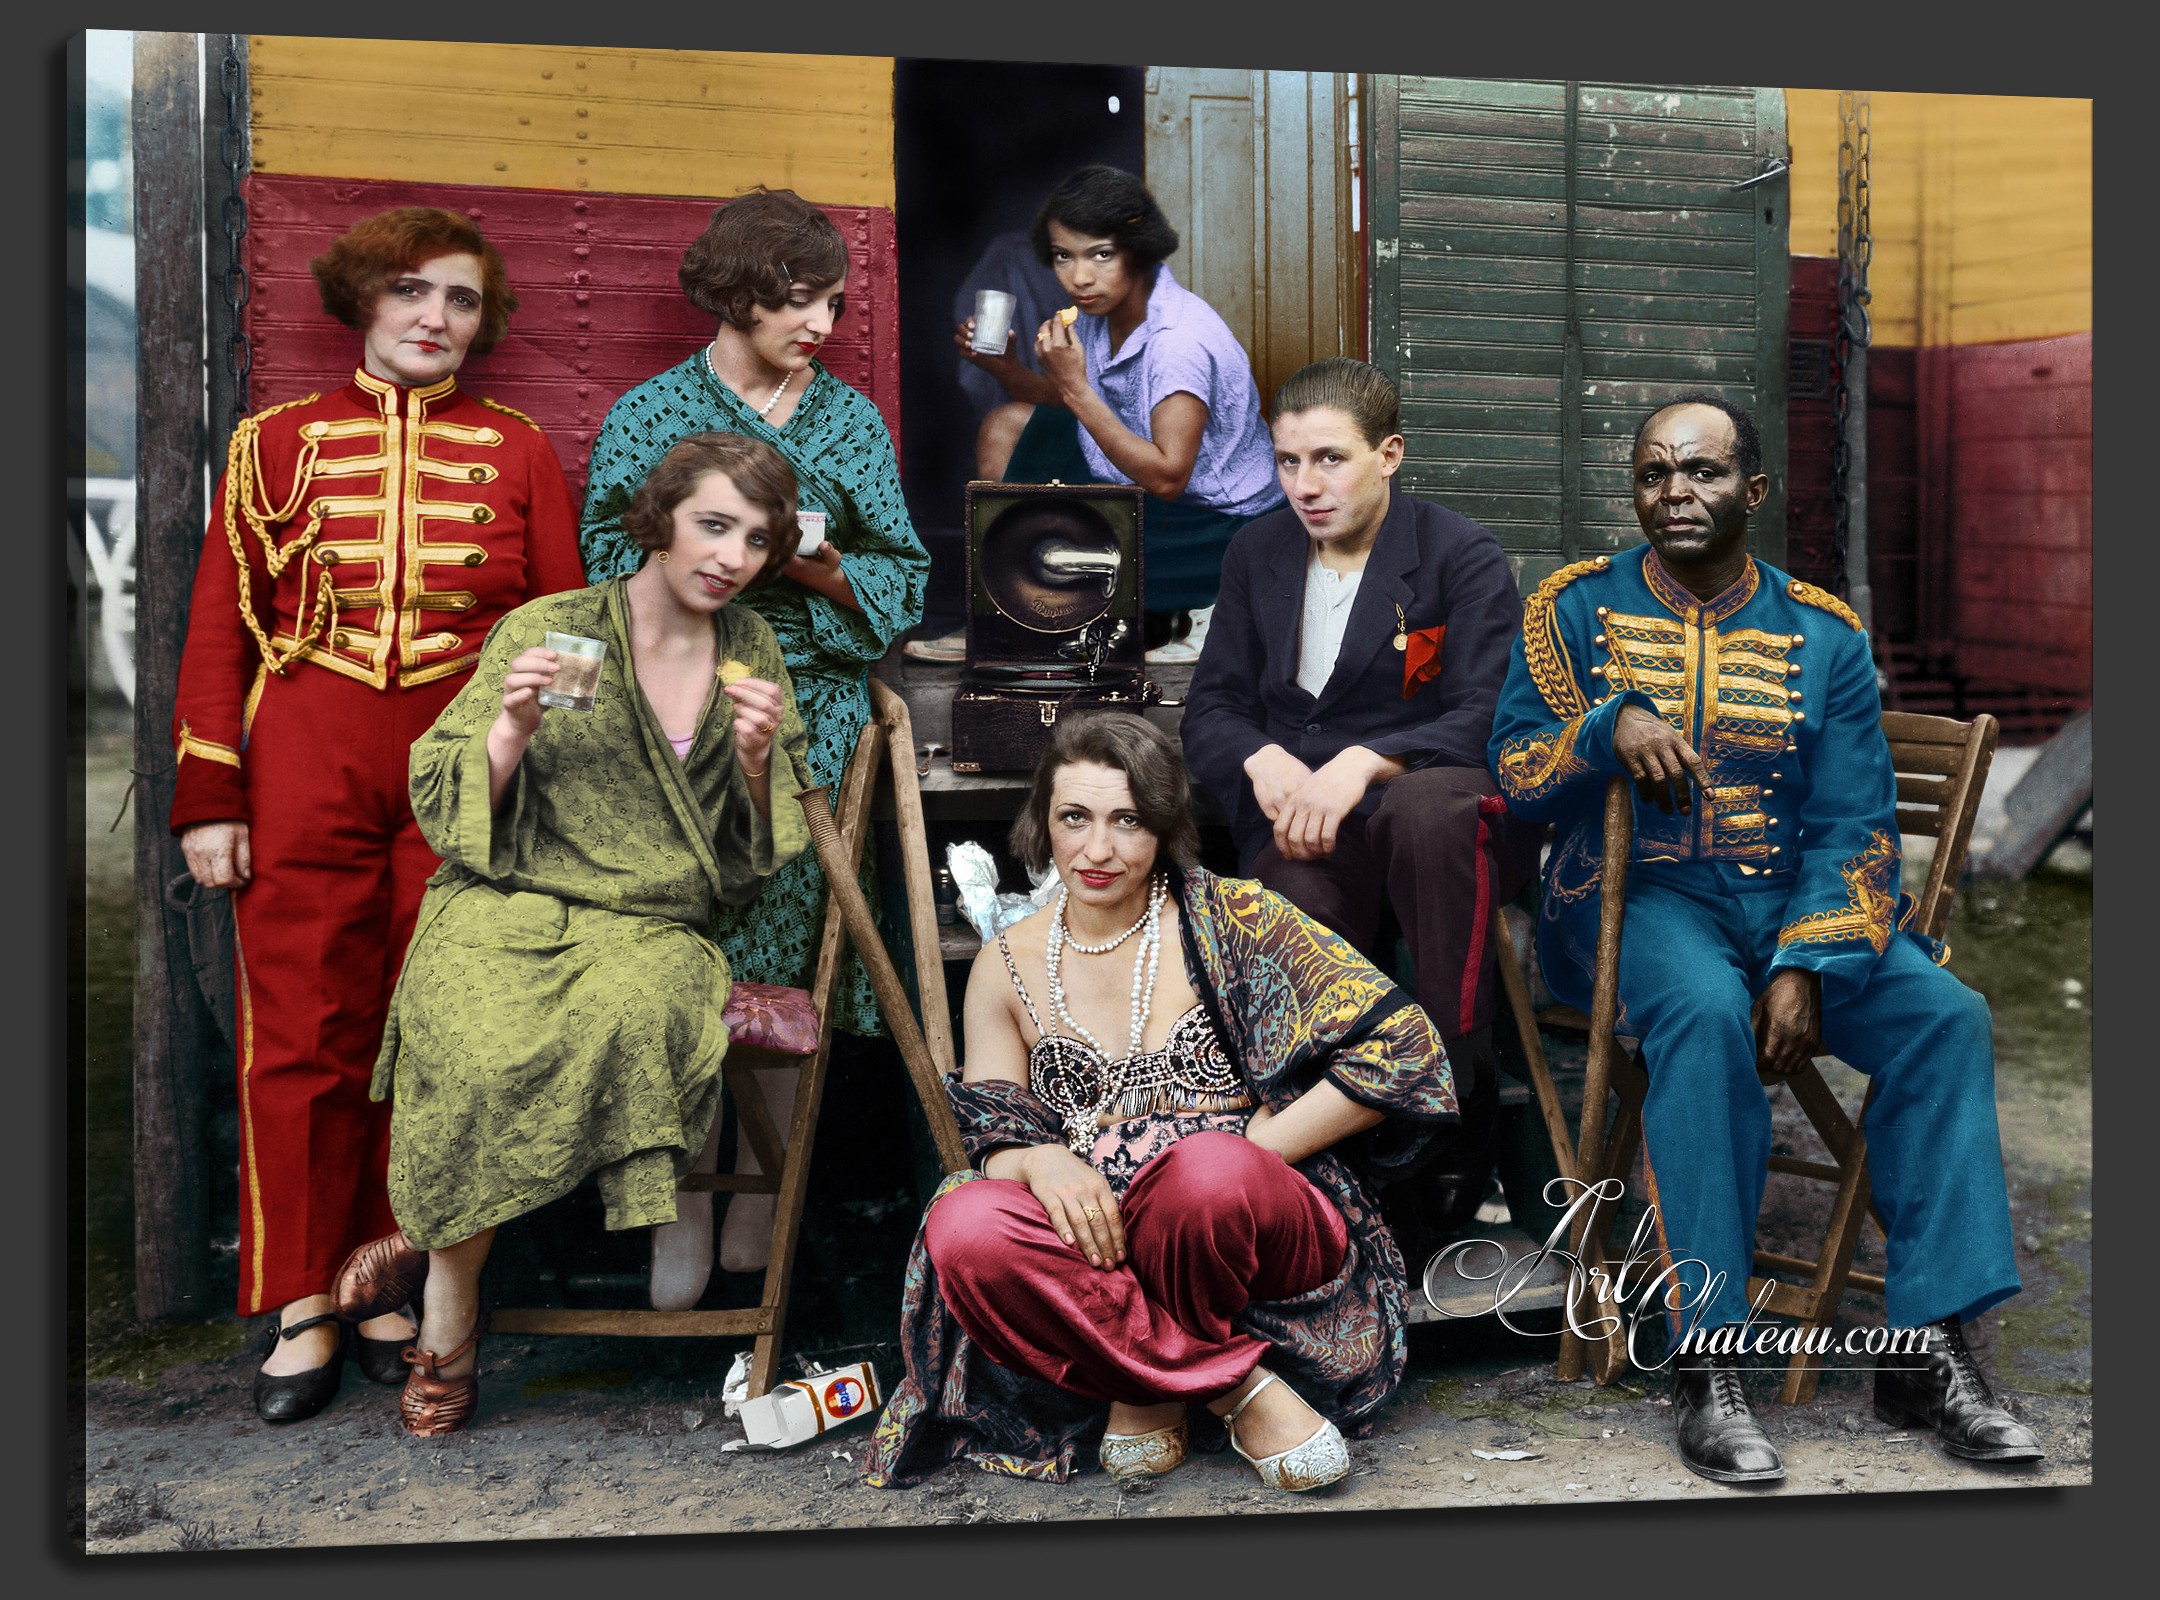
point(1065, 932)
point(771, 400)
point(1145, 962)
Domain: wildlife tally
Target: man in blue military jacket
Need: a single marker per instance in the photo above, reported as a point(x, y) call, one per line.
point(1339, 714)
point(1762, 919)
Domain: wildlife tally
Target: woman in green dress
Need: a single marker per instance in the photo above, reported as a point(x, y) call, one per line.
point(772, 271)
point(560, 1010)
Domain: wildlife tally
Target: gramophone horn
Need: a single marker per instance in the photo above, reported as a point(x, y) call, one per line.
point(1049, 565)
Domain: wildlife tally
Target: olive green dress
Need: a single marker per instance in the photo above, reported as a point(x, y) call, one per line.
point(559, 1013)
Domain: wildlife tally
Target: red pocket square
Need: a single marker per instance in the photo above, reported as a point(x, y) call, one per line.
point(1421, 659)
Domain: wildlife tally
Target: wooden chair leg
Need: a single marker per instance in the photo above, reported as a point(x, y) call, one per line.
point(1516, 987)
point(851, 830)
point(892, 711)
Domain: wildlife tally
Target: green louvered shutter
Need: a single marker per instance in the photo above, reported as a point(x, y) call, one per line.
point(1551, 260)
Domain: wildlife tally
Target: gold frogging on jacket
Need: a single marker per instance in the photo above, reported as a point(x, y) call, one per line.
point(1732, 694)
point(1870, 911)
point(352, 627)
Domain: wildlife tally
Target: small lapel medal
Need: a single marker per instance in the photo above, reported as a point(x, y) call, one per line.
point(1402, 630)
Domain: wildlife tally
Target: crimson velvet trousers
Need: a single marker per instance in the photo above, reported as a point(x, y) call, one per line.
point(1212, 1223)
point(320, 936)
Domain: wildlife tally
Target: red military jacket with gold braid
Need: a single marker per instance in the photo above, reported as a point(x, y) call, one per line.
point(377, 532)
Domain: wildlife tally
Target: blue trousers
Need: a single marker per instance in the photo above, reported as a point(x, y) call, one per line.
point(1696, 951)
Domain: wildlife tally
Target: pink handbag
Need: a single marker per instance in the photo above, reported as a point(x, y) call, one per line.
point(769, 1017)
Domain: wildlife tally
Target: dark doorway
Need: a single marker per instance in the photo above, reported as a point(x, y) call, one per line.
point(976, 146)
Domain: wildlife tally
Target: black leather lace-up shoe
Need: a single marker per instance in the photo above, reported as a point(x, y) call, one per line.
point(1944, 1390)
point(1719, 1436)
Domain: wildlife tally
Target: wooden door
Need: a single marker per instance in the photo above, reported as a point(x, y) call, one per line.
point(1255, 170)
point(1550, 260)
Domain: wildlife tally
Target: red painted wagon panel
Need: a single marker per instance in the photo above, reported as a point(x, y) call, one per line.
point(595, 274)
point(2020, 497)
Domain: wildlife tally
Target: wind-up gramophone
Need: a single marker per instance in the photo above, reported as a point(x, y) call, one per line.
point(1053, 620)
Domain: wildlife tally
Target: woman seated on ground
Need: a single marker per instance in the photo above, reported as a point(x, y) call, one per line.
point(559, 1014)
point(1145, 385)
point(1144, 1232)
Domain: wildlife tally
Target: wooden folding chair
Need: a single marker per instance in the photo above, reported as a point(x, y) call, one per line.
point(785, 1171)
point(1942, 766)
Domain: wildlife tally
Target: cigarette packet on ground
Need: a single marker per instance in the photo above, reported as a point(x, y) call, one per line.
point(798, 1411)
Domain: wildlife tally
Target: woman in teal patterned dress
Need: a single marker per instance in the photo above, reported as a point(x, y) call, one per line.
point(772, 270)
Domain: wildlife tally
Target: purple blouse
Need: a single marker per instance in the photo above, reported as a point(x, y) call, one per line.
point(1184, 347)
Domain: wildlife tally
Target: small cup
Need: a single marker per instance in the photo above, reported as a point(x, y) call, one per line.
point(577, 672)
point(993, 321)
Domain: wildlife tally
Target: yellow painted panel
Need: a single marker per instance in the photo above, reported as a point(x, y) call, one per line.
point(660, 122)
point(1980, 205)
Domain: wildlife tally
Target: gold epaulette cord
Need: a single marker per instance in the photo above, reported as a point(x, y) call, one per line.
point(510, 411)
point(243, 498)
point(1809, 594)
point(1544, 651)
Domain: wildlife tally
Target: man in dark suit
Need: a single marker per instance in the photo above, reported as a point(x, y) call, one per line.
point(1340, 711)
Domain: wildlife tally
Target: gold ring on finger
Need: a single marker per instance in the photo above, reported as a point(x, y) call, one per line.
point(1091, 1213)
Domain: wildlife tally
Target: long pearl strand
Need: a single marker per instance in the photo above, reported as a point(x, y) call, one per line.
point(1146, 960)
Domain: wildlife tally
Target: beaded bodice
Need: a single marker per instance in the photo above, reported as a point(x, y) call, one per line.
point(1192, 1072)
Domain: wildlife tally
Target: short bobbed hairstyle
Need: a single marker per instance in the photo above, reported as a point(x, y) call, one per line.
point(356, 269)
point(1154, 770)
point(760, 473)
point(1747, 439)
point(1357, 388)
point(755, 249)
point(1107, 203)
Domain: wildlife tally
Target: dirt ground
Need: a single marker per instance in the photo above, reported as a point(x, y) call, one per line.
point(590, 1437)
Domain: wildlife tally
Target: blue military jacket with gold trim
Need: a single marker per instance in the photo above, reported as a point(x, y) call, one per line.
point(1773, 684)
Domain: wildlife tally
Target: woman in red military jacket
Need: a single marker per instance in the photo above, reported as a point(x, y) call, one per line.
point(362, 543)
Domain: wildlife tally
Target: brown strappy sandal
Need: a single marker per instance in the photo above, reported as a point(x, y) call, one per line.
point(432, 1405)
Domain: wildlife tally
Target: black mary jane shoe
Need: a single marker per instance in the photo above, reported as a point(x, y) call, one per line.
point(1942, 1389)
point(296, 1396)
point(1718, 1435)
point(383, 1360)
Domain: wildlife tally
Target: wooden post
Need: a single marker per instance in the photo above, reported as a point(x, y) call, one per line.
point(173, 1035)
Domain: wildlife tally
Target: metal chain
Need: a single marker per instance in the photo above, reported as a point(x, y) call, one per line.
point(239, 353)
point(1856, 246)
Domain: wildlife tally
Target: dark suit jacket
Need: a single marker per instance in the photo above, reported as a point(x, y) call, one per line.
point(1440, 568)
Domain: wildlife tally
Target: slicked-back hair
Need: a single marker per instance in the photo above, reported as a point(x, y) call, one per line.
point(755, 250)
point(1747, 441)
point(1356, 388)
point(1154, 770)
point(370, 255)
point(1102, 202)
point(760, 473)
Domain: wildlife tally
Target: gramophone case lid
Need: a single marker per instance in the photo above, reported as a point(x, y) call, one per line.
point(1048, 562)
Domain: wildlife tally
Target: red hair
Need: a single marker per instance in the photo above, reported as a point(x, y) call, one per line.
point(362, 263)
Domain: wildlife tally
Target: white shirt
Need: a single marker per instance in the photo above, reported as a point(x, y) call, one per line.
point(1328, 595)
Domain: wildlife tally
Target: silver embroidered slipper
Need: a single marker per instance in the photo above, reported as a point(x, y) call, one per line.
point(1321, 1460)
point(1126, 1456)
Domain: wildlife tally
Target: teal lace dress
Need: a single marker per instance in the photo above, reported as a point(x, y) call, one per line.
point(843, 457)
